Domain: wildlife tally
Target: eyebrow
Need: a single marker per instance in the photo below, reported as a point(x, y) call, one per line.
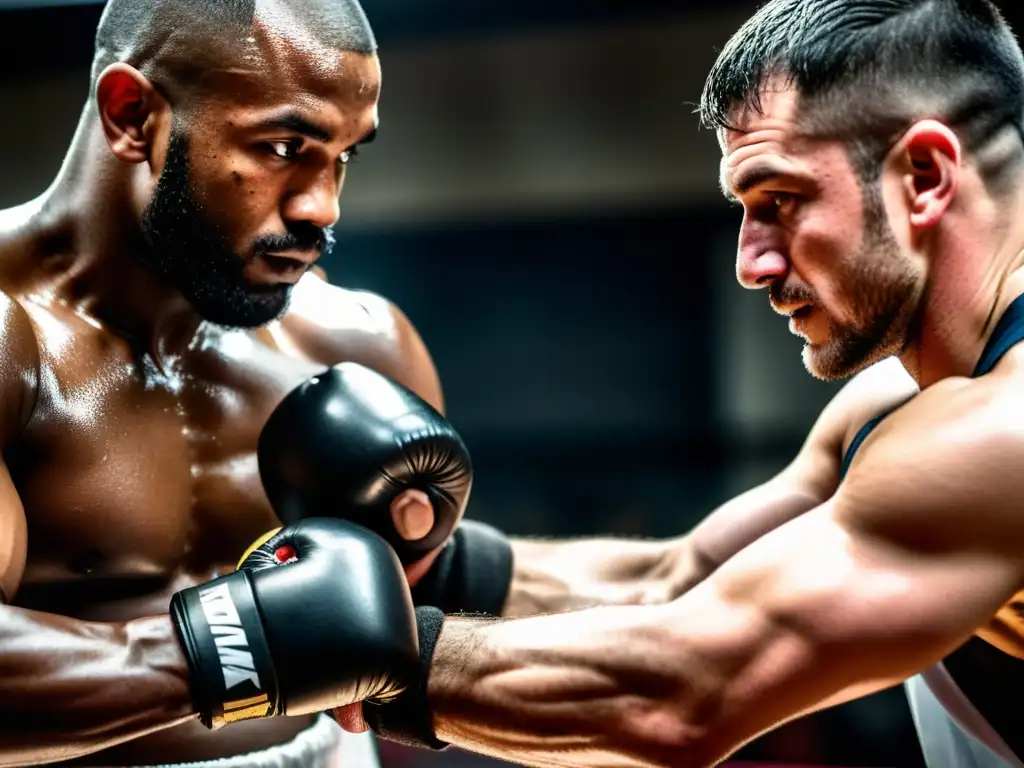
point(296, 123)
point(750, 178)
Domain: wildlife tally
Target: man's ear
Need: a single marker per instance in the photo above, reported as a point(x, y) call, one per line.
point(129, 108)
point(927, 159)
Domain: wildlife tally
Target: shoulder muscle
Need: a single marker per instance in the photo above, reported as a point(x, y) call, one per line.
point(332, 325)
point(918, 549)
point(19, 387)
point(953, 456)
point(19, 368)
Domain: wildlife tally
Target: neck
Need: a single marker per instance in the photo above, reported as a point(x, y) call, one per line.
point(976, 271)
point(105, 277)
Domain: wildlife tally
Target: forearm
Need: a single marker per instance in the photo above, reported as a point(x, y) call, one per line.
point(555, 576)
point(71, 688)
point(602, 687)
point(786, 627)
point(549, 577)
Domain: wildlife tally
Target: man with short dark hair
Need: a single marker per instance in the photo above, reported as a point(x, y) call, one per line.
point(876, 150)
point(155, 310)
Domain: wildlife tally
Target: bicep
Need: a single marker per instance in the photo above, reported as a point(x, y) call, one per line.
point(744, 519)
point(811, 477)
point(807, 481)
point(821, 611)
point(13, 537)
point(19, 385)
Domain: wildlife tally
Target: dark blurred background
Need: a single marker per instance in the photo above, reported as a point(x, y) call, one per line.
point(542, 205)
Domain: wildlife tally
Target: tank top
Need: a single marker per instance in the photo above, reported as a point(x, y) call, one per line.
point(966, 709)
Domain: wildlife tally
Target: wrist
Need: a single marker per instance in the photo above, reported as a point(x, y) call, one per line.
point(408, 718)
point(231, 675)
point(154, 644)
point(472, 575)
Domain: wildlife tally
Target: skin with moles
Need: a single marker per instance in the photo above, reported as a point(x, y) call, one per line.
point(130, 426)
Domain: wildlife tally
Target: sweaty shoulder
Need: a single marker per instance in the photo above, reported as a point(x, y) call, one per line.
point(330, 325)
point(953, 455)
point(949, 414)
point(19, 368)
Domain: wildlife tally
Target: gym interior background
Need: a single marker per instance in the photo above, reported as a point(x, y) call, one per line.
point(541, 203)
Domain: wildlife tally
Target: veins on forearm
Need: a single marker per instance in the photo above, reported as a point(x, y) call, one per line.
point(592, 688)
point(73, 688)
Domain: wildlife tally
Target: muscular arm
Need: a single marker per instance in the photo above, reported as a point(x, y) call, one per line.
point(569, 575)
point(68, 688)
point(923, 544)
point(558, 576)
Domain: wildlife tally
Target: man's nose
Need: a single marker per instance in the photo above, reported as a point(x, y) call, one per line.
point(317, 203)
point(759, 268)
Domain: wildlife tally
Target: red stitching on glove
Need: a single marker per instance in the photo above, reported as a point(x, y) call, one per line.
point(285, 554)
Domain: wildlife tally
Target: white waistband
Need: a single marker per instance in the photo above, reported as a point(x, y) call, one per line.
point(322, 745)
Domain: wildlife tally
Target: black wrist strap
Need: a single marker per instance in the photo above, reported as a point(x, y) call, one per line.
point(473, 573)
point(407, 719)
point(231, 674)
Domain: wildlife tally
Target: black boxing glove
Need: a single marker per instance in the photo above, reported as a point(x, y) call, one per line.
point(318, 616)
point(349, 441)
point(471, 575)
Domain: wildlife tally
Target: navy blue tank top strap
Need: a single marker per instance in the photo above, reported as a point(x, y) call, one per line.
point(860, 437)
point(1009, 331)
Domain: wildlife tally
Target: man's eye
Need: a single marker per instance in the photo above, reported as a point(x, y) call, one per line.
point(286, 150)
point(782, 201)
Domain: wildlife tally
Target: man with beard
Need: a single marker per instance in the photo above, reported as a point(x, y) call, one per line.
point(877, 151)
point(156, 306)
point(147, 335)
point(158, 303)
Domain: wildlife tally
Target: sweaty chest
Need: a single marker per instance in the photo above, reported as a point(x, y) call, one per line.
point(129, 472)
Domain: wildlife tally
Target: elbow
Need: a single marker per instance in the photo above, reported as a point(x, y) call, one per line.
point(658, 736)
point(666, 721)
point(676, 713)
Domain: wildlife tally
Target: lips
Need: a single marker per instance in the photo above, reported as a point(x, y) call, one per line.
point(791, 309)
point(268, 269)
point(285, 263)
point(304, 256)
